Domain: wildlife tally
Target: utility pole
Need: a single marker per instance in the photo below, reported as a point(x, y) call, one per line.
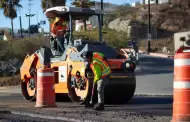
point(47, 6)
point(102, 8)
point(20, 26)
point(149, 31)
point(29, 16)
point(10, 5)
point(37, 17)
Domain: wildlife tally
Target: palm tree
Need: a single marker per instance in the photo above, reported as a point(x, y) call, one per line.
point(10, 10)
point(83, 4)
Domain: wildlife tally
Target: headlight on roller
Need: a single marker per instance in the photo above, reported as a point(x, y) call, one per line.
point(127, 65)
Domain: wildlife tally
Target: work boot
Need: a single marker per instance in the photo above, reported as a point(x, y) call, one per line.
point(89, 105)
point(99, 106)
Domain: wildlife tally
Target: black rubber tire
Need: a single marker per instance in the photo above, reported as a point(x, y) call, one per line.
point(25, 92)
point(72, 94)
point(119, 93)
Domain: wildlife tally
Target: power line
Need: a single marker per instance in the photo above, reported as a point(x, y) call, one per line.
point(29, 16)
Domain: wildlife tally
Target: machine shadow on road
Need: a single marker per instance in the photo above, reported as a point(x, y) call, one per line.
point(154, 105)
point(147, 100)
point(151, 100)
point(154, 65)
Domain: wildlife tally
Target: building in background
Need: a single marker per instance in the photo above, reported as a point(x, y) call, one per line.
point(135, 4)
point(5, 34)
point(163, 1)
point(154, 1)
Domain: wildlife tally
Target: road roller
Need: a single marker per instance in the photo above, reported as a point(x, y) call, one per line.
point(72, 77)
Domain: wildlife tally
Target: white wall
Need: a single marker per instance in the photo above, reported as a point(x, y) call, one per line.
point(135, 4)
point(154, 1)
point(151, 1)
point(163, 1)
point(177, 42)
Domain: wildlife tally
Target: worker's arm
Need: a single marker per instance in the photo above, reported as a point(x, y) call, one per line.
point(97, 72)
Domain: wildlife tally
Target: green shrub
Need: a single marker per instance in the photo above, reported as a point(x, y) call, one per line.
point(19, 48)
point(112, 38)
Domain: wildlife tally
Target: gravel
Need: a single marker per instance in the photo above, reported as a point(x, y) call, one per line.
point(7, 116)
point(89, 115)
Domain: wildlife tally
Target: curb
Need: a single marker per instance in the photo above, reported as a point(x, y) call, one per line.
point(161, 55)
point(157, 54)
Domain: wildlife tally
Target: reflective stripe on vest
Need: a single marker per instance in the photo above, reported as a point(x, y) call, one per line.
point(97, 59)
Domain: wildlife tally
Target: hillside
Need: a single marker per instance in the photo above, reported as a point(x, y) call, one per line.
point(166, 19)
point(172, 16)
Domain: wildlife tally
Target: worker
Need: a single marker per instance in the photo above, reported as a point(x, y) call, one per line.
point(98, 63)
point(58, 30)
point(58, 25)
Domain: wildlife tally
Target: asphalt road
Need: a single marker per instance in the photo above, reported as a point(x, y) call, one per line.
point(140, 108)
point(154, 77)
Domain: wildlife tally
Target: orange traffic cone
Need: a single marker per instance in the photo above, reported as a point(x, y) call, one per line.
point(181, 86)
point(45, 88)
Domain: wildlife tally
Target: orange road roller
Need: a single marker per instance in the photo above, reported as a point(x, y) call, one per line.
point(65, 56)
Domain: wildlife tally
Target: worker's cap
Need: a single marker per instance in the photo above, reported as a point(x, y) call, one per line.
point(87, 54)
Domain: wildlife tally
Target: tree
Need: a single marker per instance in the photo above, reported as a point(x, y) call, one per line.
point(10, 10)
point(83, 4)
point(45, 4)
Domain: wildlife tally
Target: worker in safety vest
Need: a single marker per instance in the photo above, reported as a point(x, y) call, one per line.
point(58, 27)
point(101, 70)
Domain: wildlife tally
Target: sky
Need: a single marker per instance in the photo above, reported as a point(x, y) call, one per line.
point(39, 16)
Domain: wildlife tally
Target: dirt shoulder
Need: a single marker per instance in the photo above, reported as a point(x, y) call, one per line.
point(10, 81)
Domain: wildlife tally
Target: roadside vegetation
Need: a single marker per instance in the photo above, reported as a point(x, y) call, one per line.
point(20, 48)
point(111, 37)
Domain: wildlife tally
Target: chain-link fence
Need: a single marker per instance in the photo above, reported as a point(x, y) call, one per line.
point(10, 67)
point(160, 38)
point(141, 32)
